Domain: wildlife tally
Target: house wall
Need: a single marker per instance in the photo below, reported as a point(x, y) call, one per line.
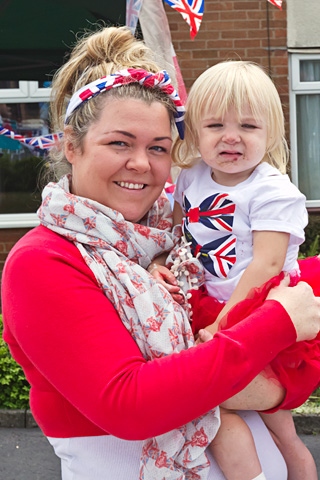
point(246, 30)
point(249, 30)
point(303, 24)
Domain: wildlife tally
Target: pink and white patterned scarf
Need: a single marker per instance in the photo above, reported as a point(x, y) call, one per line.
point(118, 252)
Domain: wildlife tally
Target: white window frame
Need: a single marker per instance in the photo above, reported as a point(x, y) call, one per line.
point(299, 88)
point(27, 92)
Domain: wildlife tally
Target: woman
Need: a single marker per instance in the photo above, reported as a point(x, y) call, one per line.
point(79, 325)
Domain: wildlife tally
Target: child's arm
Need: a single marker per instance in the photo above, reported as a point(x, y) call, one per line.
point(269, 253)
point(166, 278)
point(177, 214)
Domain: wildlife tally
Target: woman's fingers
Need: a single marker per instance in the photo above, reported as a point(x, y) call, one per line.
point(302, 306)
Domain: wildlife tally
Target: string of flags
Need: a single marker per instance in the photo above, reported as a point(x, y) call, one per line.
point(44, 142)
point(276, 3)
point(191, 11)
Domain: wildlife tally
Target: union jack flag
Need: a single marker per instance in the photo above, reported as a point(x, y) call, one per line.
point(132, 14)
point(44, 142)
point(215, 212)
point(218, 256)
point(191, 11)
point(276, 3)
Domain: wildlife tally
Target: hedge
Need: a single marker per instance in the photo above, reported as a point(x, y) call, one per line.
point(14, 388)
point(311, 245)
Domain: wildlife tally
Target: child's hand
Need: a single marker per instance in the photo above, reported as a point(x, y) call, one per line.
point(166, 278)
point(206, 334)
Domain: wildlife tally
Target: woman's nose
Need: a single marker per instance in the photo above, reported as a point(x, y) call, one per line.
point(139, 161)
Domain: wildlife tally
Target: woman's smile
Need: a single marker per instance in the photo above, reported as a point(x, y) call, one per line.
point(131, 185)
point(124, 165)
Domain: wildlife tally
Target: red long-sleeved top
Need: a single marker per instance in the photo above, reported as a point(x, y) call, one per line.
point(88, 376)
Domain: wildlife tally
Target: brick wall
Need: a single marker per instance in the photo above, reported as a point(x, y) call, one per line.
point(249, 30)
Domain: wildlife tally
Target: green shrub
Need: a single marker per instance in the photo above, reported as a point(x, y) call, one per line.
point(312, 249)
point(311, 245)
point(19, 174)
point(14, 388)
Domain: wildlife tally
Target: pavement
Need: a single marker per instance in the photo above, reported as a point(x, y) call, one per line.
point(25, 453)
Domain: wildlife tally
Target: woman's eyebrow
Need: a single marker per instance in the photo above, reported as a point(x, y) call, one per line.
point(123, 132)
point(130, 135)
point(158, 139)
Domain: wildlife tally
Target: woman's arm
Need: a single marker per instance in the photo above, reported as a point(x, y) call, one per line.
point(69, 338)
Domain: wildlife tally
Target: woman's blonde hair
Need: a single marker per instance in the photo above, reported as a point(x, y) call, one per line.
point(95, 55)
point(234, 84)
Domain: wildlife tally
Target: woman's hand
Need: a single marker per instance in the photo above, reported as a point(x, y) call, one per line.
point(302, 307)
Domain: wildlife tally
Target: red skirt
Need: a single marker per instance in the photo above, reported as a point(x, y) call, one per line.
point(297, 367)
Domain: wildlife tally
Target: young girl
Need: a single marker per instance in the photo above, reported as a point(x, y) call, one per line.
point(244, 220)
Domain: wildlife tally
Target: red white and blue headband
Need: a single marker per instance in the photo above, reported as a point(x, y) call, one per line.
point(160, 80)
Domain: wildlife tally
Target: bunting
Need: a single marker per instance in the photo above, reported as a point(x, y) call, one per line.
point(44, 142)
point(276, 3)
point(191, 11)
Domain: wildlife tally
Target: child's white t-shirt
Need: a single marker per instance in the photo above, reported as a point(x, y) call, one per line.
point(267, 200)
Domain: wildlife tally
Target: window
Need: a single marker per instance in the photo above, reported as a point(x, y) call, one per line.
point(305, 124)
point(23, 111)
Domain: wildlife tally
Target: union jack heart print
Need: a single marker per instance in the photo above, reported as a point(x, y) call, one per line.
point(218, 256)
point(215, 212)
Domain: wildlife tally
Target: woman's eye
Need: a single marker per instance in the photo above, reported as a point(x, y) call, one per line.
point(118, 143)
point(159, 149)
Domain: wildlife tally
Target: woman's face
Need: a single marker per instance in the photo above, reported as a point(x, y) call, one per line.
point(125, 159)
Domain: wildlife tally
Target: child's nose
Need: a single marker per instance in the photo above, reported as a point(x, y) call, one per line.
point(231, 135)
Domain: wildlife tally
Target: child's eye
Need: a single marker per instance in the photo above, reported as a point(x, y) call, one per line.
point(249, 125)
point(215, 125)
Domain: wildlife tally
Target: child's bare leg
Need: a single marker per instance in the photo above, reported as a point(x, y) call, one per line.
point(262, 393)
point(300, 463)
point(234, 450)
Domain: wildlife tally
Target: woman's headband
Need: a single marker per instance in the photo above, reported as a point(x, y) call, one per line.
point(159, 80)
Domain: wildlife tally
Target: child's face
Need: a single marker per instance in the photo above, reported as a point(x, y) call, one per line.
point(232, 146)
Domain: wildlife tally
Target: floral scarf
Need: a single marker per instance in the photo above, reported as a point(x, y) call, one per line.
point(118, 253)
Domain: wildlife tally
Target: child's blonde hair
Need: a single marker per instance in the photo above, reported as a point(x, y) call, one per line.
point(234, 84)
